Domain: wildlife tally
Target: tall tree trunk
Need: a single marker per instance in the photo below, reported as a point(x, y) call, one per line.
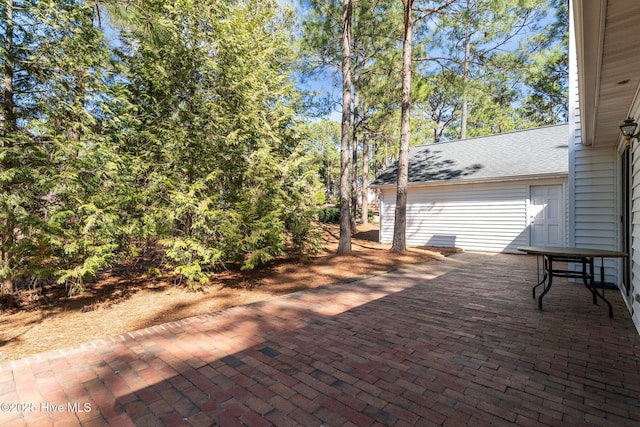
point(328, 186)
point(464, 114)
point(364, 218)
point(9, 123)
point(344, 244)
point(354, 155)
point(8, 105)
point(400, 224)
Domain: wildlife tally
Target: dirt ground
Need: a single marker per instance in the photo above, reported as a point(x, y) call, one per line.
point(122, 300)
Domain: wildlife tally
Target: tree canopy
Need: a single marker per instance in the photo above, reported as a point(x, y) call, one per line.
point(177, 133)
point(183, 147)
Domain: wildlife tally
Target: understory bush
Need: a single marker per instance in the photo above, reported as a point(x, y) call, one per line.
point(329, 215)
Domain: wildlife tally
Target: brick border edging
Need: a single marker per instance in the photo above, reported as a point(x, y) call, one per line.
point(14, 365)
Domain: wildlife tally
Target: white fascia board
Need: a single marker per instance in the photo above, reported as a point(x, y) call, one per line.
point(588, 30)
point(562, 175)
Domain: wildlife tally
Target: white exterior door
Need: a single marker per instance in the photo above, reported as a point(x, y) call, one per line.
point(546, 215)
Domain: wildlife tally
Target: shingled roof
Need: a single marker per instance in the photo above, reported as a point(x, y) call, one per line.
point(515, 155)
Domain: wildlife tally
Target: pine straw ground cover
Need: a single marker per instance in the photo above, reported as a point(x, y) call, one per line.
point(123, 299)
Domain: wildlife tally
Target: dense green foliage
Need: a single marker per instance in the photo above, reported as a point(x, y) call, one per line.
point(323, 141)
point(329, 215)
point(56, 218)
point(172, 131)
point(179, 141)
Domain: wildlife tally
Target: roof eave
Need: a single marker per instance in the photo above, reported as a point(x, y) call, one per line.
point(553, 175)
point(589, 46)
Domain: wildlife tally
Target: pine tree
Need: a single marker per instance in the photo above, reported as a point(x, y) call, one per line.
point(478, 40)
point(52, 60)
point(225, 175)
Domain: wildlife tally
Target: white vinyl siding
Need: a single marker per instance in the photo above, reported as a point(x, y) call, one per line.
point(489, 217)
point(632, 300)
point(596, 207)
point(593, 188)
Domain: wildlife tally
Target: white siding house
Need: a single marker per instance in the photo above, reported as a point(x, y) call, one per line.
point(604, 172)
point(487, 194)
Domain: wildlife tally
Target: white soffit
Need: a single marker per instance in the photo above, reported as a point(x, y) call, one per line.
point(608, 50)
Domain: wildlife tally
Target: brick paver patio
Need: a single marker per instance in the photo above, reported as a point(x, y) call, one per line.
point(452, 342)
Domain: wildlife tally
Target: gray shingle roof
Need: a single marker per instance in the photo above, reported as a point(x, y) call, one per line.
point(526, 153)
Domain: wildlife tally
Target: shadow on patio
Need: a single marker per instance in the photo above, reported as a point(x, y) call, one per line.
point(452, 342)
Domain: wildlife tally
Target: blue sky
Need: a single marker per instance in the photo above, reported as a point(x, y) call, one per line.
point(323, 83)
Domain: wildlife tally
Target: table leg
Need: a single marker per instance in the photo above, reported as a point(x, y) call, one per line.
point(594, 289)
point(548, 268)
point(544, 276)
point(588, 278)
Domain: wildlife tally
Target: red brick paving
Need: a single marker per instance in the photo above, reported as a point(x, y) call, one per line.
point(454, 342)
